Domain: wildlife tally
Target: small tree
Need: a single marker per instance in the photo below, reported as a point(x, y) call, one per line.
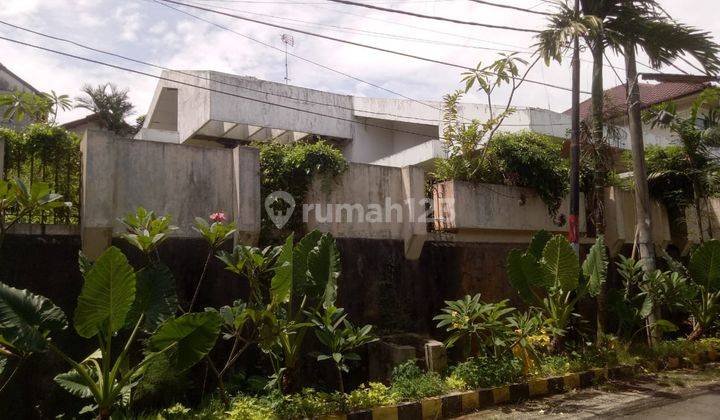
point(111, 103)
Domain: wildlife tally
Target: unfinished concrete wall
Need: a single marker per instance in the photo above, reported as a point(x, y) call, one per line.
point(495, 213)
point(370, 202)
point(620, 220)
point(120, 175)
point(710, 217)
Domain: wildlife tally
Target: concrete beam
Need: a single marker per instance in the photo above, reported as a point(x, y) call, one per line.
point(414, 226)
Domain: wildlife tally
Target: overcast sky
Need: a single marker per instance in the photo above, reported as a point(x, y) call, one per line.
point(150, 32)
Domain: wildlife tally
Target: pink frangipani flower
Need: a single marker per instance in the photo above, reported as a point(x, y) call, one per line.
point(218, 217)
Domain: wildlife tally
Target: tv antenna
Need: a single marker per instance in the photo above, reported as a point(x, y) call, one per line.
point(288, 40)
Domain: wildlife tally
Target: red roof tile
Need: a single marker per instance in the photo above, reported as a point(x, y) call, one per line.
point(650, 94)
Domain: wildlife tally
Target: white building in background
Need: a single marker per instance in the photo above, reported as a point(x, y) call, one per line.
point(683, 94)
point(229, 109)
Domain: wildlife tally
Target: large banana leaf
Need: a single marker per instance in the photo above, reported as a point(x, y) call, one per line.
point(705, 265)
point(324, 269)
point(26, 318)
point(560, 263)
point(595, 267)
point(192, 336)
point(106, 296)
point(281, 284)
point(155, 297)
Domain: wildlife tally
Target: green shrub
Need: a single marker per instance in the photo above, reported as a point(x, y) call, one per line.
point(245, 407)
point(410, 382)
point(374, 394)
point(291, 168)
point(483, 372)
point(524, 159)
point(307, 403)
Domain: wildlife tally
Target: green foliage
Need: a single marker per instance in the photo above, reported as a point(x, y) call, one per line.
point(104, 303)
point(411, 383)
point(26, 320)
point(557, 276)
point(188, 338)
point(704, 303)
point(340, 338)
point(476, 322)
point(375, 394)
point(19, 105)
point(155, 297)
point(291, 168)
point(524, 159)
point(145, 230)
point(245, 407)
point(112, 105)
point(18, 200)
point(216, 233)
point(106, 296)
point(307, 404)
point(484, 372)
point(47, 154)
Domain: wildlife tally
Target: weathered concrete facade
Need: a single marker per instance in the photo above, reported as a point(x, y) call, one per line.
point(211, 109)
point(370, 201)
point(120, 175)
point(620, 220)
point(485, 213)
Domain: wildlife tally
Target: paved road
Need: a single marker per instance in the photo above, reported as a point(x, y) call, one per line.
point(675, 395)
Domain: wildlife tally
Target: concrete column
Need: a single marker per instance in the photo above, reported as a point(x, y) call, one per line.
point(414, 225)
point(246, 199)
point(98, 186)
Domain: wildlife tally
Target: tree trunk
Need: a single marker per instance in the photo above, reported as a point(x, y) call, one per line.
point(598, 137)
point(642, 194)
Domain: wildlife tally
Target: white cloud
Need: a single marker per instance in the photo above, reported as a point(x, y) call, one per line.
point(150, 32)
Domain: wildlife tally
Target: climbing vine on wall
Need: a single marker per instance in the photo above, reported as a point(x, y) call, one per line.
point(291, 168)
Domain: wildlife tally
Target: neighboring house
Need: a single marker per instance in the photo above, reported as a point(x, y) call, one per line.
point(89, 122)
point(683, 94)
point(391, 132)
point(10, 82)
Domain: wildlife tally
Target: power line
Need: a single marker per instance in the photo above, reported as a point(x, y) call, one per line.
point(180, 82)
point(400, 53)
point(385, 35)
point(323, 2)
point(307, 60)
point(506, 6)
point(260, 91)
point(438, 18)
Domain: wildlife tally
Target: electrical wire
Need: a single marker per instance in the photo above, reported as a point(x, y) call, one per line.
point(180, 82)
point(400, 53)
point(506, 6)
point(438, 18)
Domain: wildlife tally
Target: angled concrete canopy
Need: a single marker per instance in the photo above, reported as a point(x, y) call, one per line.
point(209, 108)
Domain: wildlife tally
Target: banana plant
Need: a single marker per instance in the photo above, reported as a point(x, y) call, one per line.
point(110, 302)
point(704, 306)
point(549, 276)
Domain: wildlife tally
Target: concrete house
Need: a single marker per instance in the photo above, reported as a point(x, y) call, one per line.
point(683, 94)
point(229, 109)
point(10, 82)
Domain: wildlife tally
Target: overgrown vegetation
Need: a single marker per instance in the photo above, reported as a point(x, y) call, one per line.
point(46, 154)
point(292, 168)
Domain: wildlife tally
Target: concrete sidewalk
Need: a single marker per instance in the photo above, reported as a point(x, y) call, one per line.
point(681, 394)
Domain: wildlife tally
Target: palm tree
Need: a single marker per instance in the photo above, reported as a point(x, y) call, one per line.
point(57, 103)
point(623, 26)
point(111, 104)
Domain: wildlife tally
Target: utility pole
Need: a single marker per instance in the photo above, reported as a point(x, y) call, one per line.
point(643, 221)
point(573, 219)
